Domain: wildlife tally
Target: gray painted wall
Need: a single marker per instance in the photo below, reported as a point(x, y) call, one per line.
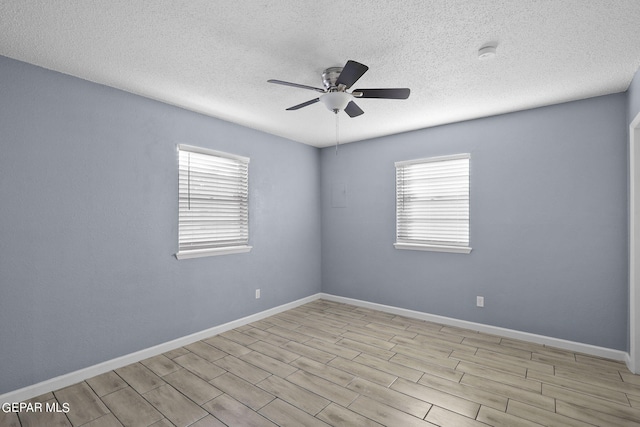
point(548, 223)
point(88, 225)
point(633, 97)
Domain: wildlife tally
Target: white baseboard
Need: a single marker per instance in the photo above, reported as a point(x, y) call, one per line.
point(495, 330)
point(109, 365)
point(629, 362)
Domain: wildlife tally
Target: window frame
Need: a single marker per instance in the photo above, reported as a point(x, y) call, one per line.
point(434, 245)
point(185, 253)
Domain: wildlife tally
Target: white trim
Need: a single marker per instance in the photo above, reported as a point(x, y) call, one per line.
point(433, 248)
point(634, 278)
point(199, 253)
point(201, 150)
point(494, 330)
point(109, 365)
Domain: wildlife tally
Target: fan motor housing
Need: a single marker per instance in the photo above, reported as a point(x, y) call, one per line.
point(330, 76)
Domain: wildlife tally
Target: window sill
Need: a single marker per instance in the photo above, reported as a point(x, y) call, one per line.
point(199, 253)
point(433, 248)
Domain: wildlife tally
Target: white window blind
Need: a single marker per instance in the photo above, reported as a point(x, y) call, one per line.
point(213, 214)
point(432, 204)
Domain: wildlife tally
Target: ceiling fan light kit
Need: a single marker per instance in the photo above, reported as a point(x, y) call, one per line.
point(336, 81)
point(336, 101)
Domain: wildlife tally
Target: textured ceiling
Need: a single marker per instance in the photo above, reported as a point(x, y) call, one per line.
point(215, 57)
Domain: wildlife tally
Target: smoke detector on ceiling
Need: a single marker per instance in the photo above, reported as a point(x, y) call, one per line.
point(487, 51)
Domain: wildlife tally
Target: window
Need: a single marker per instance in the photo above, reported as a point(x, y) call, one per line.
point(432, 204)
point(213, 199)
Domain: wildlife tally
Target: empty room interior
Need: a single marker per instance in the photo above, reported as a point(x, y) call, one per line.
point(319, 213)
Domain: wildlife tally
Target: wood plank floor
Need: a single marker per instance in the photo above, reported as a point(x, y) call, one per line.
point(327, 363)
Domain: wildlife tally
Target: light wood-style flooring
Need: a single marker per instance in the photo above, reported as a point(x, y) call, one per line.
point(327, 363)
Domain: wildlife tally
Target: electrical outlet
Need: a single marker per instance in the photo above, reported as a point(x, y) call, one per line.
point(257, 293)
point(480, 301)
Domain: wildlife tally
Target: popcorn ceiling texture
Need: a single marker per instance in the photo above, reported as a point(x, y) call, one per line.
point(214, 57)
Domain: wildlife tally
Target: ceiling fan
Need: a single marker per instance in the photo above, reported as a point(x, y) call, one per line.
point(336, 81)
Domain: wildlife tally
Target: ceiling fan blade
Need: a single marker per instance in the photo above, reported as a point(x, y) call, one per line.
point(351, 72)
point(304, 104)
point(353, 110)
point(396, 93)
point(282, 82)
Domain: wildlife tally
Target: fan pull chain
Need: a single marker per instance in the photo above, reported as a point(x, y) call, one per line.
point(337, 131)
